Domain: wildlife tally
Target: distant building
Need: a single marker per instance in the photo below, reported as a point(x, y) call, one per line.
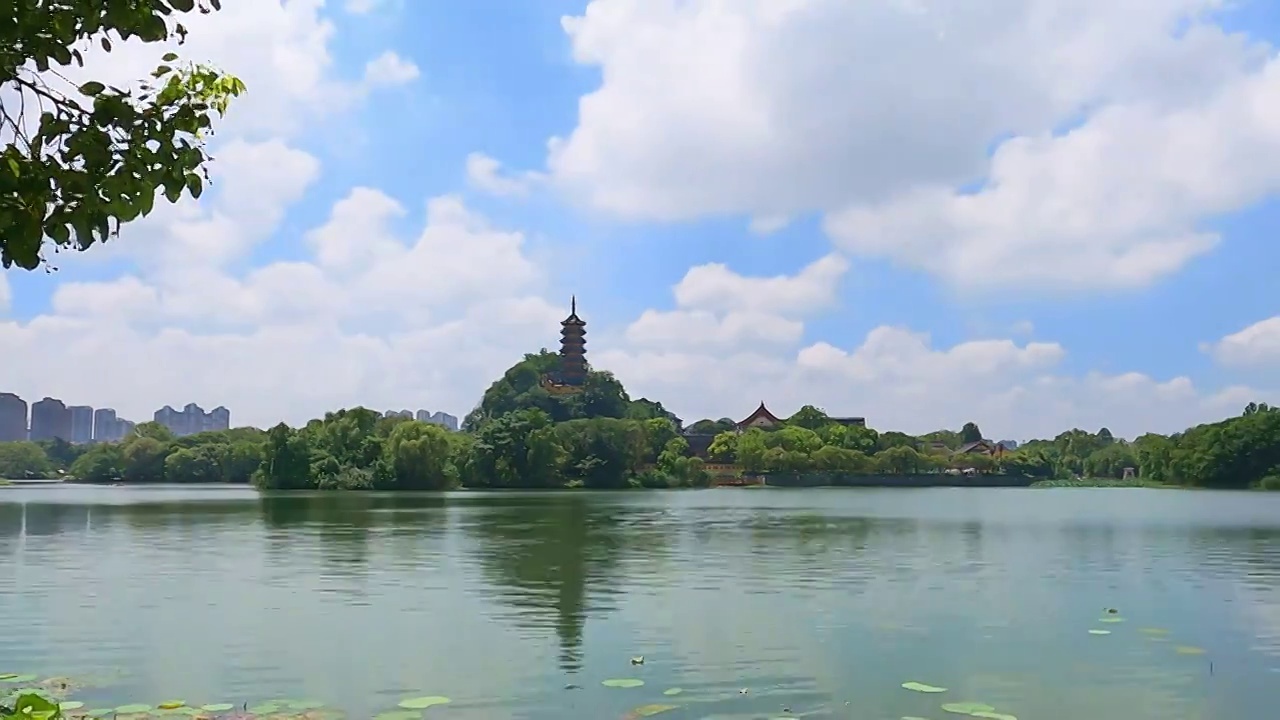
point(50, 419)
point(192, 419)
point(1008, 444)
point(13, 418)
point(435, 418)
point(105, 425)
point(81, 423)
point(407, 414)
point(761, 418)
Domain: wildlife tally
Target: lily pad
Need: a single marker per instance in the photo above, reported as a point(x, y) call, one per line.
point(11, 678)
point(1099, 632)
point(217, 707)
point(913, 717)
point(652, 709)
point(70, 705)
point(993, 716)
point(134, 709)
point(1153, 631)
point(622, 683)
point(171, 704)
point(101, 712)
point(967, 708)
point(1188, 650)
point(1111, 619)
point(673, 691)
point(399, 715)
point(422, 703)
point(265, 709)
point(921, 687)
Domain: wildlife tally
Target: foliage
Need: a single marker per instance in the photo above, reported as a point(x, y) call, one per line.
point(24, 460)
point(970, 433)
point(30, 706)
point(98, 154)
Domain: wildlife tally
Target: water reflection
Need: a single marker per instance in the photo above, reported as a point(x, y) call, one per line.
point(553, 560)
point(809, 598)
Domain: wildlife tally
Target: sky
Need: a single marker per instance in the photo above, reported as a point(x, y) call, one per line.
point(1031, 214)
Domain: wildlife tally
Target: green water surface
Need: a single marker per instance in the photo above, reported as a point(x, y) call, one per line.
point(754, 603)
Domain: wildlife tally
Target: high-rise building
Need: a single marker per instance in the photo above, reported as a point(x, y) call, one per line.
point(445, 419)
point(192, 419)
point(398, 414)
point(50, 419)
point(105, 425)
point(81, 423)
point(13, 418)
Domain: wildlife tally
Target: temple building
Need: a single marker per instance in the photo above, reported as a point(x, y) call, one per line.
point(572, 373)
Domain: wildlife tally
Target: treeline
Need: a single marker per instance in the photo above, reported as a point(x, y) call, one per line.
point(522, 436)
point(150, 454)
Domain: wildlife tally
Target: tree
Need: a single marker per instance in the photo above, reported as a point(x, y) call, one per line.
point(809, 417)
point(970, 433)
point(98, 155)
point(23, 460)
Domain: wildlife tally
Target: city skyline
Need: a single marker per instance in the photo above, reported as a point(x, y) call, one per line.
point(51, 417)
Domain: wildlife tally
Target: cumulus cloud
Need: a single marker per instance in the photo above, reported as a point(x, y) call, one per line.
point(1255, 346)
point(486, 174)
point(389, 69)
point(882, 113)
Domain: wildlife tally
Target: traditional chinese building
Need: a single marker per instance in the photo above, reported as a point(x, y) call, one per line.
point(761, 418)
point(572, 373)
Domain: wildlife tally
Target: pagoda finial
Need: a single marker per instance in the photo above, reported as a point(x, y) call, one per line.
point(573, 305)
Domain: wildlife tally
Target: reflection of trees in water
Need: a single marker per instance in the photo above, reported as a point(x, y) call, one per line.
point(554, 558)
point(340, 526)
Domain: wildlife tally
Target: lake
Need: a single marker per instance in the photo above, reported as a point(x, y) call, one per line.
point(763, 603)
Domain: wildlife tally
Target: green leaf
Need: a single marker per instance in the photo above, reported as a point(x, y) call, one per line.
point(182, 5)
point(92, 88)
point(169, 57)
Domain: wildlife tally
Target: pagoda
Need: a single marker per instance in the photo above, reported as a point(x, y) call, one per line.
point(572, 373)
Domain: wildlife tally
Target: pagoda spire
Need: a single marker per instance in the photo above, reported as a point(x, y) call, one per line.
point(573, 347)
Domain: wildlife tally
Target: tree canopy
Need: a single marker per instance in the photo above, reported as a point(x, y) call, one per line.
point(79, 161)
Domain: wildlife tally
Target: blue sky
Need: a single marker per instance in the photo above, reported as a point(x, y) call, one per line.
point(500, 78)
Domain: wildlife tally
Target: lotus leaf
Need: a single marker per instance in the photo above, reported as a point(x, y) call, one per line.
point(70, 705)
point(673, 691)
point(1111, 619)
point(19, 678)
point(101, 712)
point(8, 676)
point(1099, 632)
point(921, 687)
point(264, 709)
point(133, 709)
point(913, 717)
point(1188, 650)
point(993, 716)
point(171, 704)
point(967, 708)
point(652, 709)
point(422, 703)
point(217, 707)
point(622, 683)
point(398, 715)
point(1153, 631)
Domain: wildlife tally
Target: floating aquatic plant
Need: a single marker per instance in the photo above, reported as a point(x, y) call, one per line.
point(70, 705)
point(673, 691)
point(622, 683)
point(134, 709)
point(651, 710)
point(14, 678)
point(1099, 632)
point(171, 704)
point(217, 707)
point(422, 703)
point(967, 708)
point(921, 687)
point(304, 705)
point(993, 715)
point(1188, 650)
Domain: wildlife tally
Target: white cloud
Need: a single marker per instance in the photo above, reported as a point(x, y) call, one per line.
point(485, 173)
point(715, 287)
point(1255, 346)
point(878, 111)
point(389, 69)
point(898, 380)
point(6, 295)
